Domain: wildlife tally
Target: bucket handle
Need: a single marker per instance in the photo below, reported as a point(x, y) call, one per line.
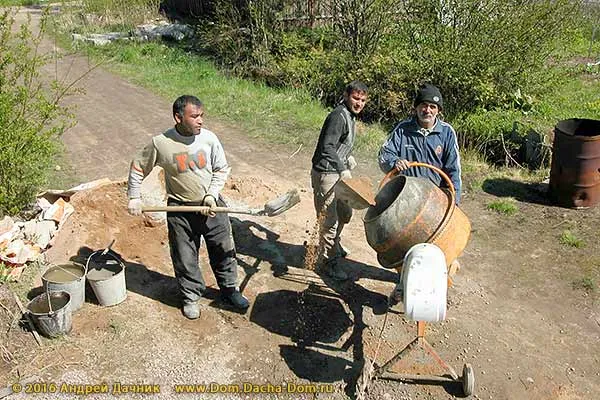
point(50, 265)
point(444, 176)
point(104, 252)
point(451, 207)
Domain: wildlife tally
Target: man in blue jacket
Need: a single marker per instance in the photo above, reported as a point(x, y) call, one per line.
point(425, 138)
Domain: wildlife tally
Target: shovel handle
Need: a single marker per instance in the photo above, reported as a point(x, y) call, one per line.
point(197, 209)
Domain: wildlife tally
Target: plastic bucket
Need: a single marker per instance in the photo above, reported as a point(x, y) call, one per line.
point(68, 277)
point(52, 323)
point(425, 279)
point(107, 280)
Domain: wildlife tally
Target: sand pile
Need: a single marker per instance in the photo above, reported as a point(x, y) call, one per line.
point(101, 216)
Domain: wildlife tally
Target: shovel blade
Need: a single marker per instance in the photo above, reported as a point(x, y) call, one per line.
point(356, 192)
point(282, 203)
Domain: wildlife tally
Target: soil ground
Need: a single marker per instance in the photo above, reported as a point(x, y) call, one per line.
point(519, 311)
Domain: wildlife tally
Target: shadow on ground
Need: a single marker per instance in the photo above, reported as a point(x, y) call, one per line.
point(255, 240)
point(318, 317)
point(536, 193)
point(314, 321)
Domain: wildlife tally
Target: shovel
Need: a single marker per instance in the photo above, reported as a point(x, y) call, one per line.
point(356, 192)
point(270, 209)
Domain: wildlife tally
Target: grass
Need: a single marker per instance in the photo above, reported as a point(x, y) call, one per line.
point(6, 3)
point(63, 176)
point(503, 206)
point(576, 98)
point(568, 238)
point(589, 276)
point(22, 287)
point(3, 273)
point(587, 284)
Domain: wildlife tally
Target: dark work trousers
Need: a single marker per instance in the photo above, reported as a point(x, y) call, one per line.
point(185, 230)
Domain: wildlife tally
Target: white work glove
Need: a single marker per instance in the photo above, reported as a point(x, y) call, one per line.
point(352, 162)
point(345, 174)
point(401, 165)
point(134, 207)
point(209, 201)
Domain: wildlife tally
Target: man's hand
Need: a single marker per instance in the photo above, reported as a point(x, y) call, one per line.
point(345, 174)
point(401, 165)
point(134, 207)
point(209, 201)
point(351, 162)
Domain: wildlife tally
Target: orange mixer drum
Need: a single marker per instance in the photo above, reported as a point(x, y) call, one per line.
point(412, 210)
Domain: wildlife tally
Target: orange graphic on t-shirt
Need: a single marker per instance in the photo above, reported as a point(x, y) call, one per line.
point(186, 162)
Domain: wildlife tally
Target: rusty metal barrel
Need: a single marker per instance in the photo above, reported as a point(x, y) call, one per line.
point(575, 167)
point(409, 211)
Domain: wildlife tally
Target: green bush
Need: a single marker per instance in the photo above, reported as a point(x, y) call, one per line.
point(485, 131)
point(493, 58)
point(31, 119)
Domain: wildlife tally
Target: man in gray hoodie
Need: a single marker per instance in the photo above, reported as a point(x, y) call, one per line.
point(332, 161)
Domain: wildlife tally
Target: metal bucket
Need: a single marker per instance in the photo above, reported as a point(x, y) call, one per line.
point(409, 211)
point(575, 169)
point(107, 279)
point(52, 323)
point(68, 277)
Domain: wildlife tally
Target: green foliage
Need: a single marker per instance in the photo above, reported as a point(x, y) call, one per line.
point(568, 238)
point(31, 119)
point(4, 271)
point(587, 284)
point(504, 68)
point(487, 132)
point(20, 2)
point(481, 52)
point(494, 60)
point(360, 25)
point(506, 207)
point(241, 37)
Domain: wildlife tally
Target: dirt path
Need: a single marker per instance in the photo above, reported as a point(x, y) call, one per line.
point(513, 312)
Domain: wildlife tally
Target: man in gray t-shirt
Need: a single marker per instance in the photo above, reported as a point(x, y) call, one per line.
point(195, 172)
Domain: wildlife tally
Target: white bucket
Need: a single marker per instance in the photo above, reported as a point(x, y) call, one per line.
point(107, 279)
point(425, 279)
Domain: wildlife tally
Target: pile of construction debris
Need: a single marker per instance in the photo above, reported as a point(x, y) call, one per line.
point(23, 241)
point(162, 30)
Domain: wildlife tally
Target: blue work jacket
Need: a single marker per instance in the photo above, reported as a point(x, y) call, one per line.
point(439, 148)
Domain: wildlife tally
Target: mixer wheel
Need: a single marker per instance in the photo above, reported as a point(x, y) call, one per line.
point(468, 380)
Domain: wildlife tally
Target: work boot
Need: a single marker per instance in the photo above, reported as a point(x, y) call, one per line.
point(235, 299)
point(191, 310)
point(335, 270)
point(342, 251)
